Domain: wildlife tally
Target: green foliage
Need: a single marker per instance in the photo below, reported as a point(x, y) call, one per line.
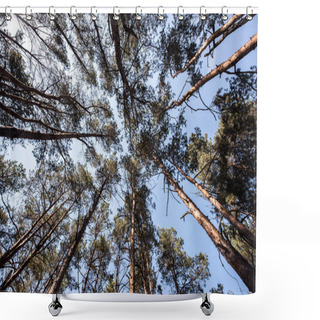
point(181, 40)
point(12, 175)
point(227, 165)
point(111, 285)
point(181, 272)
point(59, 95)
point(238, 243)
point(235, 143)
point(94, 258)
point(144, 233)
point(218, 289)
point(17, 65)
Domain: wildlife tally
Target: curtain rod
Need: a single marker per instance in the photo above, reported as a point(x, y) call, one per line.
point(137, 10)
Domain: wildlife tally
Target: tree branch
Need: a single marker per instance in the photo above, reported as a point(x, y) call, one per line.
point(216, 34)
point(116, 41)
point(188, 212)
point(17, 116)
point(8, 76)
point(243, 231)
point(237, 56)
point(12, 132)
point(73, 49)
point(22, 48)
point(100, 45)
point(35, 102)
point(227, 32)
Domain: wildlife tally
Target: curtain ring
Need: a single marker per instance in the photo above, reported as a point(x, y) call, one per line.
point(249, 16)
point(51, 15)
point(203, 13)
point(138, 16)
point(94, 15)
point(28, 13)
point(73, 15)
point(160, 16)
point(224, 13)
point(116, 15)
point(7, 14)
point(180, 14)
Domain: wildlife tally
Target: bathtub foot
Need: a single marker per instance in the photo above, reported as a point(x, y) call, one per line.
point(206, 305)
point(55, 306)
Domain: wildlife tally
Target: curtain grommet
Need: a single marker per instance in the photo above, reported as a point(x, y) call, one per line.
point(28, 12)
point(7, 13)
point(138, 15)
point(180, 13)
point(116, 15)
point(203, 13)
point(249, 14)
point(160, 15)
point(224, 13)
point(52, 11)
point(94, 15)
point(73, 13)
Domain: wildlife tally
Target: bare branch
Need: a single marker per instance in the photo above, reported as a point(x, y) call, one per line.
point(8, 76)
point(12, 132)
point(22, 48)
point(216, 34)
point(237, 56)
point(228, 32)
point(188, 212)
point(17, 116)
point(73, 49)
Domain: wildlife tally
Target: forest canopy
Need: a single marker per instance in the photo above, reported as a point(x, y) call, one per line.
point(128, 154)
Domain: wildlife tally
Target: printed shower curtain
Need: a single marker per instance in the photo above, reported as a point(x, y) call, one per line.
point(128, 153)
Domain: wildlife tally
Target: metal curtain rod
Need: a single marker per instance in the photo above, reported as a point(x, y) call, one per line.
point(137, 10)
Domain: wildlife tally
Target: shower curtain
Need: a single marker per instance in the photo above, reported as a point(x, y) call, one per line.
point(128, 153)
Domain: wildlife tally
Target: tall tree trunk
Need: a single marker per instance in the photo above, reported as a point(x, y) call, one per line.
point(38, 284)
point(88, 271)
point(233, 257)
point(116, 41)
point(90, 261)
point(174, 276)
point(117, 284)
point(143, 267)
point(149, 274)
point(37, 248)
point(150, 280)
point(146, 268)
point(132, 249)
point(243, 231)
point(12, 132)
point(28, 234)
point(103, 55)
point(97, 278)
point(237, 56)
point(65, 264)
point(49, 280)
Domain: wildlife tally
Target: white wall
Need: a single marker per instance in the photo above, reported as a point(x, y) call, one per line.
point(288, 180)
